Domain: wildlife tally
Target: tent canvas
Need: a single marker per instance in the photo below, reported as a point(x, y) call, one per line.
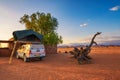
point(19, 35)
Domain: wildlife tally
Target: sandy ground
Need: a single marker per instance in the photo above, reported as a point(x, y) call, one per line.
point(105, 66)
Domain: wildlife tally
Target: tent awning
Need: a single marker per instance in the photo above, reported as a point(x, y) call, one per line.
point(18, 35)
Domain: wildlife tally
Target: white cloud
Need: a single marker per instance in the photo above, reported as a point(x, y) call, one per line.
point(83, 25)
point(115, 8)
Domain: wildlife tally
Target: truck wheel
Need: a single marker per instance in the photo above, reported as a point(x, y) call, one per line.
point(24, 58)
point(40, 58)
point(28, 59)
point(17, 56)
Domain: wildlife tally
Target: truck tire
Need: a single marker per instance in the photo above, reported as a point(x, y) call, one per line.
point(40, 58)
point(26, 59)
point(17, 56)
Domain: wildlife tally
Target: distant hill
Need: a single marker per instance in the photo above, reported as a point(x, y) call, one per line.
point(105, 43)
point(115, 42)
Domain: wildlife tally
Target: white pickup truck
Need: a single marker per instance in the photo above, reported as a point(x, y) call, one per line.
point(31, 50)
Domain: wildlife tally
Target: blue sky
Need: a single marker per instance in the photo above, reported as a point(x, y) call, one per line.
point(78, 20)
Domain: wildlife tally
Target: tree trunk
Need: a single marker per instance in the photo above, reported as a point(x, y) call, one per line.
point(51, 49)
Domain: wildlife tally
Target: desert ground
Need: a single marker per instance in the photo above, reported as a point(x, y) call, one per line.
point(62, 66)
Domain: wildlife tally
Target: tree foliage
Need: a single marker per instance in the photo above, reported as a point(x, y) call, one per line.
point(44, 24)
point(52, 38)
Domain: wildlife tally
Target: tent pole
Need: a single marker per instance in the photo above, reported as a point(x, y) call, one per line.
point(13, 51)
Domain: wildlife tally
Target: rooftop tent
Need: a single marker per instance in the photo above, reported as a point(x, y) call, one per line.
point(29, 34)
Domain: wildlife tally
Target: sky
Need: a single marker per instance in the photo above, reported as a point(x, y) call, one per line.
point(78, 20)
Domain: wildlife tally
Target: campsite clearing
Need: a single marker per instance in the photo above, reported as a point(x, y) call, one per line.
point(105, 66)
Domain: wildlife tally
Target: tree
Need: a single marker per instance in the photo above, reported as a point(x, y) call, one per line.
point(52, 38)
point(44, 24)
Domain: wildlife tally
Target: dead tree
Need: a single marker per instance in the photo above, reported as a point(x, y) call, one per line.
point(75, 52)
point(88, 48)
point(84, 58)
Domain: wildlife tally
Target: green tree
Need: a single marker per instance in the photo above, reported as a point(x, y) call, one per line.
point(44, 24)
point(52, 38)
